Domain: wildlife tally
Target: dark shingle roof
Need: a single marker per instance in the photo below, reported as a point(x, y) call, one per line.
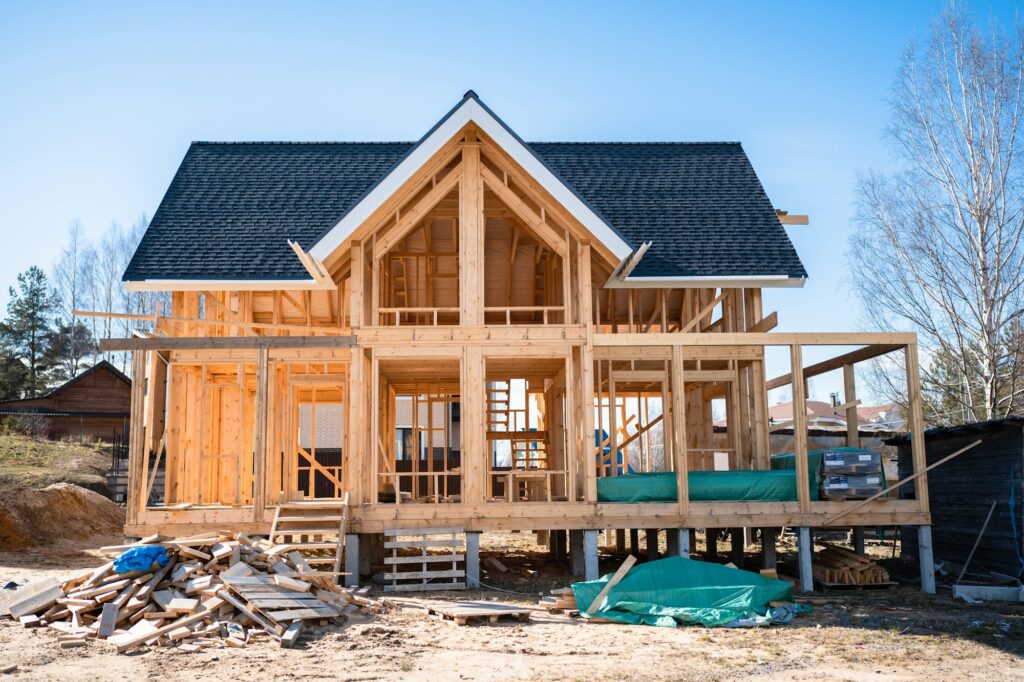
point(231, 207)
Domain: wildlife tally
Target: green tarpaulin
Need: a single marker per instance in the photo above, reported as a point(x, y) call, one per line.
point(705, 486)
point(676, 591)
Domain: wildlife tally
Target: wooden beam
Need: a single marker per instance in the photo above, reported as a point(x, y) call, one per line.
point(680, 457)
point(872, 351)
point(850, 396)
point(412, 215)
point(261, 409)
point(916, 425)
point(803, 491)
point(536, 223)
point(786, 218)
point(225, 342)
point(471, 239)
point(764, 325)
point(692, 324)
point(136, 440)
point(897, 339)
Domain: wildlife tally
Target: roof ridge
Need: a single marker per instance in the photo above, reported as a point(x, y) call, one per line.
point(384, 142)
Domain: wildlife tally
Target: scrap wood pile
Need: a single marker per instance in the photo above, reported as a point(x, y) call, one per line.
point(560, 599)
point(213, 590)
point(836, 566)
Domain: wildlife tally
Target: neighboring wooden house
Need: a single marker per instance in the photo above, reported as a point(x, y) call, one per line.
point(91, 406)
point(962, 493)
point(540, 307)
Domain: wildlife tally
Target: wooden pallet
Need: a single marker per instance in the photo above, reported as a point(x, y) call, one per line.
point(264, 594)
point(440, 563)
point(464, 612)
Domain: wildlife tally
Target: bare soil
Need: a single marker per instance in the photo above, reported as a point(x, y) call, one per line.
point(30, 463)
point(62, 511)
point(891, 634)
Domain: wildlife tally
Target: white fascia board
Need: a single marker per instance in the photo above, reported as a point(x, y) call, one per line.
point(469, 110)
point(225, 285)
point(726, 282)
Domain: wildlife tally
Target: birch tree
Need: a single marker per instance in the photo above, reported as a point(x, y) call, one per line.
point(937, 245)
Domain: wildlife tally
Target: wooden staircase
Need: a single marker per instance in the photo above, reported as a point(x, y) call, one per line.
point(313, 528)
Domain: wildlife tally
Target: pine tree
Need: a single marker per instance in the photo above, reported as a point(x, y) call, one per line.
point(28, 328)
point(69, 348)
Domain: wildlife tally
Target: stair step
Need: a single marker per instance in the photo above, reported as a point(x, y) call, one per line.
point(306, 531)
point(317, 518)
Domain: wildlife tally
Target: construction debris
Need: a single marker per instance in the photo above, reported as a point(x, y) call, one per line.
point(212, 590)
point(839, 567)
point(560, 599)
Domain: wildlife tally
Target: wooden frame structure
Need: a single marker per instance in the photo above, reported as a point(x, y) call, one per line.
point(469, 277)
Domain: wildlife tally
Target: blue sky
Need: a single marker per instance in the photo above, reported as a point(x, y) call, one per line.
point(99, 101)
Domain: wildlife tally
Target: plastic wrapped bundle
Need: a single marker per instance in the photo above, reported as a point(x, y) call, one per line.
point(852, 487)
point(854, 461)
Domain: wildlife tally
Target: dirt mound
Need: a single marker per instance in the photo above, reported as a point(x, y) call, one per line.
point(62, 511)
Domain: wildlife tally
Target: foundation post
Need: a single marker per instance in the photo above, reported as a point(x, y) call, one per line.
point(365, 550)
point(858, 539)
point(634, 542)
point(768, 547)
point(352, 560)
point(736, 535)
point(472, 558)
point(576, 552)
point(806, 550)
point(620, 540)
point(652, 544)
point(678, 541)
point(590, 567)
point(711, 543)
point(927, 561)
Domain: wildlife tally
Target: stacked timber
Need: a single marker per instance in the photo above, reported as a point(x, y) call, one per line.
point(214, 590)
point(561, 599)
point(836, 566)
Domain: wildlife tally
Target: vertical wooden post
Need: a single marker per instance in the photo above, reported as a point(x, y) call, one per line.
point(356, 278)
point(916, 427)
point(583, 284)
point(473, 425)
point(587, 452)
point(136, 443)
point(375, 439)
point(357, 455)
point(471, 236)
point(570, 427)
point(678, 415)
point(849, 396)
point(259, 438)
point(800, 427)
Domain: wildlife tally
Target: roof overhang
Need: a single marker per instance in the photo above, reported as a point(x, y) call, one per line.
point(724, 282)
point(227, 285)
point(470, 109)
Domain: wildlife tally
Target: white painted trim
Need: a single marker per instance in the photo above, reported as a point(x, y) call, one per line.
point(728, 281)
point(227, 285)
point(469, 110)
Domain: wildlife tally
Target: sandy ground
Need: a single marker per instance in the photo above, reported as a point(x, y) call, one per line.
point(894, 634)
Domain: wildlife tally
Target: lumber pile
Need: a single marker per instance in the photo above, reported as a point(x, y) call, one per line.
point(216, 590)
point(837, 566)
point(561, 599)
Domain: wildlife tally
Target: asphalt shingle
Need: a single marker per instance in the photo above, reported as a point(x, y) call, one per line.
point(231, 207)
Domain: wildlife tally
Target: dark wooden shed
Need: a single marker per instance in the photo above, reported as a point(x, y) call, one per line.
point(91, 406)
point(962, 492)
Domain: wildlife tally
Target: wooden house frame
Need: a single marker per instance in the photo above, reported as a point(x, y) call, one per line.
point(469, 272)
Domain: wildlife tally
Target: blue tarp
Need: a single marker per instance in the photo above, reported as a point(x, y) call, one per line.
point(140, 559)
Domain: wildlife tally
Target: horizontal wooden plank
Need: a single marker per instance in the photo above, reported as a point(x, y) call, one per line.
point(450, 542)
point(399, 532)
point(430, 558)
point(265, 604)
point(410, 575)
point(303, 614)
point(423, 587)
point(225, 342)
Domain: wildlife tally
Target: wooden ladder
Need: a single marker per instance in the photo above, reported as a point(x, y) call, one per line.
point(312, 528)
